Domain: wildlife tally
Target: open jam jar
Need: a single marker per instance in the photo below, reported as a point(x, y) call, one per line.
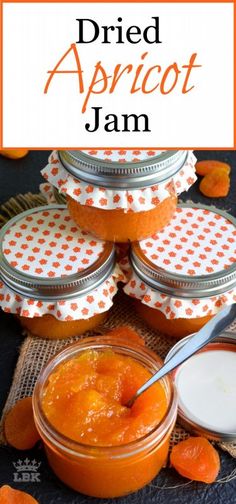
point(102, 448)
point(184, 274)
point(57, 279)
point(121, 195)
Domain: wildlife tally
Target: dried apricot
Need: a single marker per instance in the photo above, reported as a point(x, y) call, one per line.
point(19, 426)
point(127, 334)
point(205, 167)
point(14, 153)
point(215, 184)
point(196, 459)
point(9, 495)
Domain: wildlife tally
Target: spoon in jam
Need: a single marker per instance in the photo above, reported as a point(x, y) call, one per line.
point(209, 331)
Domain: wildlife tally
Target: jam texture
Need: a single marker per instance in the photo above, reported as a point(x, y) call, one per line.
point(120, 226)
point(93, 388)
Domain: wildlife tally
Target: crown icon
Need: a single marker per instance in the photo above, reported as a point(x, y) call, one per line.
point(26, 465)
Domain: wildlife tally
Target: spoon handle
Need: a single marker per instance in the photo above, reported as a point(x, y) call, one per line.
point(210, 330)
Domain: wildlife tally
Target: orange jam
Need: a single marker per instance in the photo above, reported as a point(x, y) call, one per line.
point(103, 448)
point(93, 388)
point(120, 226)
point(49, 327)
point(178, 327)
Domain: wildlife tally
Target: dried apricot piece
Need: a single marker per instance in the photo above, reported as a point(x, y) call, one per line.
point(205, 167)
point(196, 459)
point(126, 333)
point(215, 184)
point(14, 153)
point(19, 426)
point(9, 495)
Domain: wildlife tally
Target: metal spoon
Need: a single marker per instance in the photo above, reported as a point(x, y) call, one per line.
point(210, 330)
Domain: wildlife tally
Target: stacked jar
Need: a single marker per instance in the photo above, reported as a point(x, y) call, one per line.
point(120, 195)
point(56, 278)
point(184, 274)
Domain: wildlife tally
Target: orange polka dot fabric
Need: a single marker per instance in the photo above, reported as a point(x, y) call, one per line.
point(135, 200)
point(48, 192)
point(197, 242)
point(124, 155)
point(47, 244)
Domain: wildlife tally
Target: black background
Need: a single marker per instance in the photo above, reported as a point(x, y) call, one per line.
point(22, 176)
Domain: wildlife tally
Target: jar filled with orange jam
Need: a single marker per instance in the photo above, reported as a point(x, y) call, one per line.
point(101, 447)
point(183, 275)
point(121, 195)
point(58, 280)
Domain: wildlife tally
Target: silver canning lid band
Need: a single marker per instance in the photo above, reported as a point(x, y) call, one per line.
point(115, 175)
point(60, 288)
point(182, 285)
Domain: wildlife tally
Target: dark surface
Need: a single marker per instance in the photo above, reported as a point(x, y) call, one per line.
point(22, 176)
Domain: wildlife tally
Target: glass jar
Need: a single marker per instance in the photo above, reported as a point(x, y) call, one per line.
point(49, 327)
point(58, 280)
point(120, 226)
point(183, 275)
point(111, 471)
point(177, 327)
point(120, 195)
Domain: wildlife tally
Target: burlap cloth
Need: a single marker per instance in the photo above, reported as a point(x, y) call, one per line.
point(35, 352)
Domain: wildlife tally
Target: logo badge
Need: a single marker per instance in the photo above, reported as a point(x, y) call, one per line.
point(27, 471)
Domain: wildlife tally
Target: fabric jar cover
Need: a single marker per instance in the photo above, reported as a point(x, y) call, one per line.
point(187, 270)
point(48, 191)
point(136, 200)
point(52, 196)
point(49, 266)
